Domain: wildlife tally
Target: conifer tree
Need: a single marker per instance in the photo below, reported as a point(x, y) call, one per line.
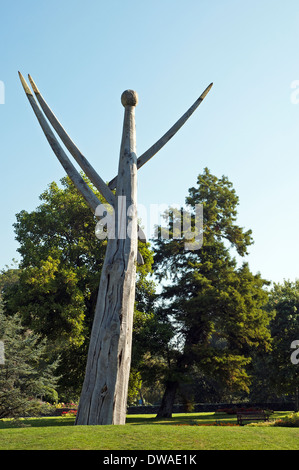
point(214, 305)
point(25, 372)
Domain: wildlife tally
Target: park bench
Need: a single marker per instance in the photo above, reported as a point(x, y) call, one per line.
point(256, 415)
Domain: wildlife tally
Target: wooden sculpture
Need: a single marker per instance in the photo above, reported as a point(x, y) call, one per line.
point(103, 398)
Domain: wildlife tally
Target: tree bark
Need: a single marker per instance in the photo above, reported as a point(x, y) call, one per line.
point(104, 394)
point(166, 407)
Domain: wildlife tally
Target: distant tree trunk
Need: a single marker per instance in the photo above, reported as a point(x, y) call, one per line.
point(141, 397)
point(296, 399)
point(166, 407)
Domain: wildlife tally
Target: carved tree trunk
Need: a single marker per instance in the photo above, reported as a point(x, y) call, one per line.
point(104, 394)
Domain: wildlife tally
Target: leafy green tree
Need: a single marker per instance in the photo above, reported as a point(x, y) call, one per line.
point(9, 276)
point(214, 306)
point(26, 371)
point(283, 374)
point(151, 337)
point(60, 272)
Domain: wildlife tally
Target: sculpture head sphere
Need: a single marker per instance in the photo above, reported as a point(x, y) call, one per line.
point(129, 98)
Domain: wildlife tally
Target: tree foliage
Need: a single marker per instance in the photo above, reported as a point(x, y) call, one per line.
point(60, 269)
point(215, 305)
point(284, 299)
point(26, 372)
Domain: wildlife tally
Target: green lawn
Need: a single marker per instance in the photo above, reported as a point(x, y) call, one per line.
point(144, 432)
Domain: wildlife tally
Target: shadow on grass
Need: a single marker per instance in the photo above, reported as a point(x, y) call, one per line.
point(181, 419)
point(36, 422)
point(177, 419)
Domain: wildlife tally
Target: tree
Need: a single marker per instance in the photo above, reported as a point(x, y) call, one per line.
point(59, 276)
point(151, 337)
point(215, 306)
point(283, 374)
point(9, 276)
point(26, 372)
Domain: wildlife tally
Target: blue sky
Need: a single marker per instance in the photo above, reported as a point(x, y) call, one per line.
point(84, 54)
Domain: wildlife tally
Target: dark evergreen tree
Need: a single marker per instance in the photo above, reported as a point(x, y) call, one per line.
point(26, 372)
point(283, 373)
point(214, 306)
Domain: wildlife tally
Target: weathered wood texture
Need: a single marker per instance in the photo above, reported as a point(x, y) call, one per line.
point(104, 394)
point(146, 156)
point(70, 169)
point(73, 149)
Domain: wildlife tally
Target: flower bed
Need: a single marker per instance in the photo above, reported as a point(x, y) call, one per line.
point(69, 413)
point(290, 421)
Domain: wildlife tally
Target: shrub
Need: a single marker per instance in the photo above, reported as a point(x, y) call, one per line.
point(291, 421)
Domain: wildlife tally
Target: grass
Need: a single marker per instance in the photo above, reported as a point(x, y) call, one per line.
point(145, 432)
